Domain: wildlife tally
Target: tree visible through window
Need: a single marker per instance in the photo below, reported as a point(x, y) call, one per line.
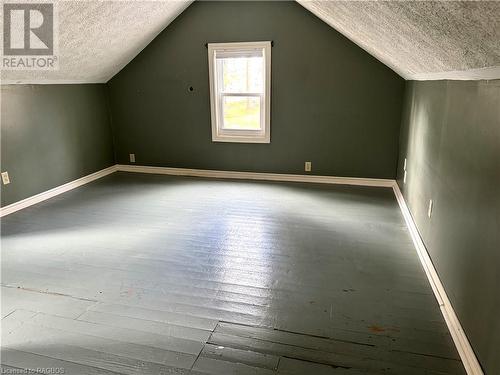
point(240, 91)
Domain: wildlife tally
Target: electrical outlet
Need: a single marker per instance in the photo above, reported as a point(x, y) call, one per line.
point(429, 210)
point(404, 170)
point(5, 178)
point(307, 166)
point(132, 158)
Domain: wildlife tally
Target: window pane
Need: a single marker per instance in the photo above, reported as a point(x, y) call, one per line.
point(241, 112)
point(243, 74)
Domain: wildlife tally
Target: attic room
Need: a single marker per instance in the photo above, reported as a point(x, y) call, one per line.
point(250, 187)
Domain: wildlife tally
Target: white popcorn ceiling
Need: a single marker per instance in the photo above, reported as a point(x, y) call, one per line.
point(421, 40)
point(417, 39)
point(98, 38)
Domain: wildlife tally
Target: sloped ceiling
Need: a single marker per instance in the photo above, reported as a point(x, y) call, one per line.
point(98, 38)
point(417, 39)
point(422, 39)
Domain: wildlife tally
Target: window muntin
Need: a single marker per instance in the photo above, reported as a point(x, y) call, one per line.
point(240, 91)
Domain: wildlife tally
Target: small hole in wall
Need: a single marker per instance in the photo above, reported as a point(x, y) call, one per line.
point(190, 88)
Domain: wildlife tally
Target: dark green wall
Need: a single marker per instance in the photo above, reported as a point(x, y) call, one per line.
point(52, 134)
point(332, 103)
point(451, 138)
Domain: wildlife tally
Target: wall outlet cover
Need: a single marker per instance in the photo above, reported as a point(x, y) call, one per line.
point(132, 158)
point(307, 166)
point(5, 178)
point(429, 210)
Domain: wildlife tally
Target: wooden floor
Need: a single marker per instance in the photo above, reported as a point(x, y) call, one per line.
point(145, 274)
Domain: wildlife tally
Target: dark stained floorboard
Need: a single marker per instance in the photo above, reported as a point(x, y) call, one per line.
point(145, 274)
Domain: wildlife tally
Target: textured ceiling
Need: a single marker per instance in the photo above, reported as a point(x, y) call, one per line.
point(98, 38)
point(417, 39)
point(422, 39)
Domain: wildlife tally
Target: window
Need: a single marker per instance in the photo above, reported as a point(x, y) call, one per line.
point(240, 88)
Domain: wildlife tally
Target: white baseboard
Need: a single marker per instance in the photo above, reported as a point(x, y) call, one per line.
point(191, 172)
point(462, 344)
point(464, 348)
point(257, 176)
point(55, 191)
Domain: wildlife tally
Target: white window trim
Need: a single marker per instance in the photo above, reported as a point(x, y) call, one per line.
point(242, 136)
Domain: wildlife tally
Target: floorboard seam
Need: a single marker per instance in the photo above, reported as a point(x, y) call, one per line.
point(298, 333)
point(87, 309)
point(203, 347)
point(316, 362)
point(10, 313)
point(33, 290)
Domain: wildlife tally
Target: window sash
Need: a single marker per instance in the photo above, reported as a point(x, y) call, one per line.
point(230, 53)
point(221, 124)
point(261, 94)
point(221, 94)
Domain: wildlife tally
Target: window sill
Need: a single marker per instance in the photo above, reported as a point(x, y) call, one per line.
point(241, 139)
